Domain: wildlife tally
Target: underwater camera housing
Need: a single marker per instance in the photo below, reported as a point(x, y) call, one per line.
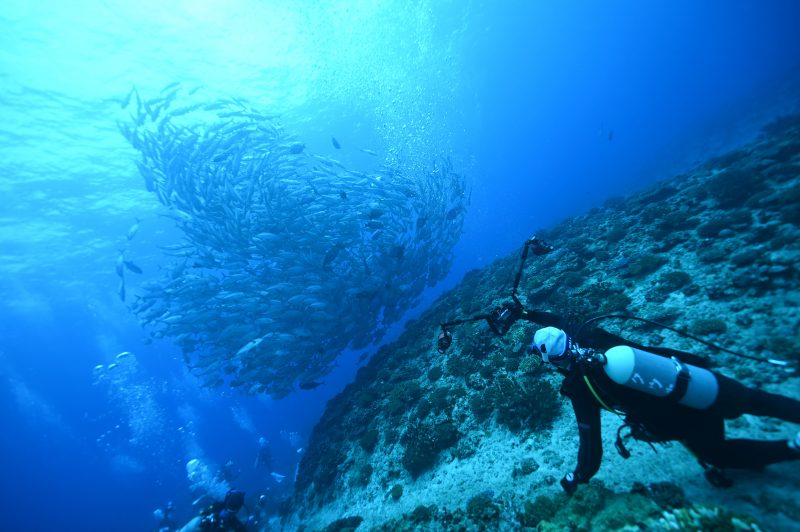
point(500, 321)
point(444, 341)
point(503, 317)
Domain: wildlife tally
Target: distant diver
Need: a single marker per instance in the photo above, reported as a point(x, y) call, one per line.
point(605, 133)
point(220, 516)
point(661, 394)
point(336, 143)
point(164, 519)
point(264, 456)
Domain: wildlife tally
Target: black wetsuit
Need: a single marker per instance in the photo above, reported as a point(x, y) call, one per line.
point(701, 431)
point(217, 519)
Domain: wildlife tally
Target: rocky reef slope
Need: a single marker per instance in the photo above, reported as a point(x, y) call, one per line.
point(477, 438)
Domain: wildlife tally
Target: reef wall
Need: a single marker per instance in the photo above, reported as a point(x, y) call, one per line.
point(477, 438)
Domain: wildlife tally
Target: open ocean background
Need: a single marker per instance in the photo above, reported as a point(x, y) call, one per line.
point(548, 108)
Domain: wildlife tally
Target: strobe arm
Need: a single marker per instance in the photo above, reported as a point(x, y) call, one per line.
point(446, 337)
point(539, 248)
point(503, 317)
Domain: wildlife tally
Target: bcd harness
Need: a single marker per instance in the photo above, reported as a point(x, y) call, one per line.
point(638, 430)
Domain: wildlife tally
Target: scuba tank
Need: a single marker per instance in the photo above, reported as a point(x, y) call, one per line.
point(662, 377)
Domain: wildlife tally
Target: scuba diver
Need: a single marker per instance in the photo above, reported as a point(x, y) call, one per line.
point(166, 523)
point(228, 473)
point(663, 394)
point(264, 456)
point(220, 516)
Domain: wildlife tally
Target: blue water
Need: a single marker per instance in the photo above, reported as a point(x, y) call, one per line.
point(548, 108)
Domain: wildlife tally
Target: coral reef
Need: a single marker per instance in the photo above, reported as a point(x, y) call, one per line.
point(593, 507)
point(424, 441)
point(482, 509)
point(476, 439)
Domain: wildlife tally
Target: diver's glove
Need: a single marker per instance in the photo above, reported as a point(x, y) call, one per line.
point(569, 483)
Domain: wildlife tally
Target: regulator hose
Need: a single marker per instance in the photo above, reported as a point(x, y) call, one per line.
point(773, 361)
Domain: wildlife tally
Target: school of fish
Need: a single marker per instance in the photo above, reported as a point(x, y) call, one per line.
point(287, 258)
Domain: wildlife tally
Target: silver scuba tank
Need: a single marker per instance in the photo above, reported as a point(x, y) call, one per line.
point(662, 377)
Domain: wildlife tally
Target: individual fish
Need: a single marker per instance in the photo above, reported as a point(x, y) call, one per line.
point(170, 86)
point(336, 143)
point(132, 267)
point(330, 256)
point(122, 290)
point(343, 194)
point(250, 346)
point(214, 106)
point(296, 299)
point(124, 354)
point(180, 111)
point(127, 99)
point(140, 115)
point(120, 264)
point(368, 152)
point(310, 385)
point(297, 148)
point(453, 213)
point(277, 476)
point(222, 156)
point(266, 236)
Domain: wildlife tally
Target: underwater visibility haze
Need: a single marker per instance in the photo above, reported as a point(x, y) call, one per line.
point(214, 213)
